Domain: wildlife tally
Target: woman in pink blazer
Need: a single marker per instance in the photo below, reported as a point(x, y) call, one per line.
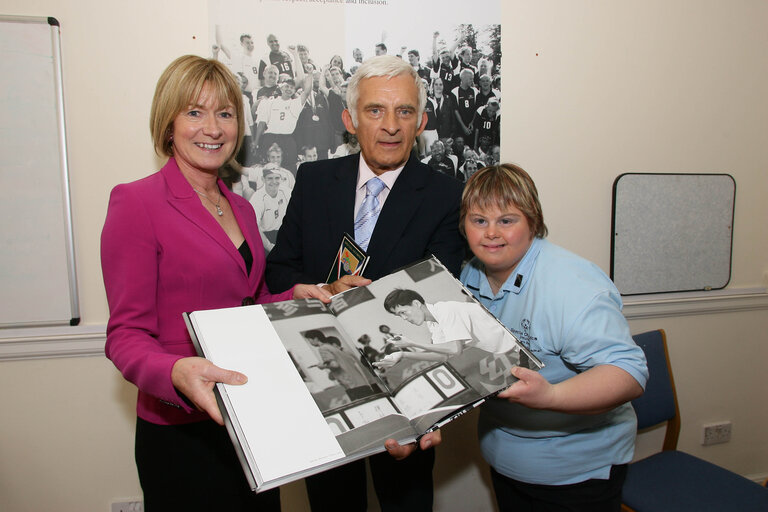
point(178, 241)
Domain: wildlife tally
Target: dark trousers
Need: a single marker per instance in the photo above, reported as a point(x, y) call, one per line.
point(404, 485)
point(589, 496)
point(194, 467)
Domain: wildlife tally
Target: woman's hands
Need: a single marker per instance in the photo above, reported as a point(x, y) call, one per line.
point(194, 377)
point(311, 291)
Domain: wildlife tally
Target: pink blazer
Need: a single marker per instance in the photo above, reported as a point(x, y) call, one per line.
point(162, 254)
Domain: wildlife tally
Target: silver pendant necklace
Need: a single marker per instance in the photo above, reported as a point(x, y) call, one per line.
point(217, 204)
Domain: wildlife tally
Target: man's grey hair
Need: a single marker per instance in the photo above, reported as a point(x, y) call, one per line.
point(388, 66)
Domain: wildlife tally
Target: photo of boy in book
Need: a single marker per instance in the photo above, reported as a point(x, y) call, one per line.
point(454, 328)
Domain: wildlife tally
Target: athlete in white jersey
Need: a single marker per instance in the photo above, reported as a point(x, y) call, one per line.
point(277, 117)
point(453, 326)
point(270, 203)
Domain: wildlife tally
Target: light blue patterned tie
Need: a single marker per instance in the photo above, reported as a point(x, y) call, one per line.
point(368, 213)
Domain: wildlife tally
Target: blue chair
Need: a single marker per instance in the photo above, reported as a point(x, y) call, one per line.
point(672, 480)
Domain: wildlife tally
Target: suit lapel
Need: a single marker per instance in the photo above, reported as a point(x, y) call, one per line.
point(184, 199)
point(340, 199)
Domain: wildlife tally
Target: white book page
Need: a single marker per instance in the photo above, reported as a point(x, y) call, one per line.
point(285, 430)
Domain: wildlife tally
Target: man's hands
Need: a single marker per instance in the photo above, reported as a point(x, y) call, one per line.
point(195, 377)
point(345, 283)
point(324, 293)
point(400, 452)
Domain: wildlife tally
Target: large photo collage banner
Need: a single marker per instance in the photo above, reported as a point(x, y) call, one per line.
point(294, 58)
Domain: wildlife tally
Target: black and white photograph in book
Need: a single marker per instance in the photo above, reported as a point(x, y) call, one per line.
point(331, 368)
point(294, 75)
point(413, 342)
point(404, 331)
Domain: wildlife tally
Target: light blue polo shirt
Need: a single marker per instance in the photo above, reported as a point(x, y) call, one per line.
point(568, 313)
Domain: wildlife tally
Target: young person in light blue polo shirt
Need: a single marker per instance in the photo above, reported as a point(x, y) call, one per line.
point(560, 438)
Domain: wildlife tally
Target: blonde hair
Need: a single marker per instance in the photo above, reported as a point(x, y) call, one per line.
point(501, 186)
point(179, 87)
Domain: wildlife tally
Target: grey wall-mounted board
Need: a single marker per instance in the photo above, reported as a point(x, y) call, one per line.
point(37, 262)
point(671, 232)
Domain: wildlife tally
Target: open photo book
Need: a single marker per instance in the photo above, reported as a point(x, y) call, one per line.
point(329, 383)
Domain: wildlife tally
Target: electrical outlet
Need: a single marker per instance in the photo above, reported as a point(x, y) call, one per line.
point(127, 506)
point(716, 433)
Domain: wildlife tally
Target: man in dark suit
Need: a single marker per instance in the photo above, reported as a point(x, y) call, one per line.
point(418, 211)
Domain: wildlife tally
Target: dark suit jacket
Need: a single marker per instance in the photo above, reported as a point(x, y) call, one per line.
point(420, 217)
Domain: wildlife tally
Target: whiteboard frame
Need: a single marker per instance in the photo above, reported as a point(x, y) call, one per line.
point(653, 213)
point(63, 175)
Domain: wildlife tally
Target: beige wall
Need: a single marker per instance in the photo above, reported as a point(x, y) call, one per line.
point(592, 89)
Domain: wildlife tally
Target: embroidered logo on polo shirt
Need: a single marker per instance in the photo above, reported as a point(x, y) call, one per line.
point(525, 335)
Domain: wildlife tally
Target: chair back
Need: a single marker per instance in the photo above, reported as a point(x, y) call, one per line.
point(659, 402)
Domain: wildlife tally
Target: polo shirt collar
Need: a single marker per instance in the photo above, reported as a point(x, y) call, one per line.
point(522, 273)
point(516, 280)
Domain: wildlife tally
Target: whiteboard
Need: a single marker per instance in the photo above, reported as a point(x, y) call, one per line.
point(37, 266)
point(672, 232)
